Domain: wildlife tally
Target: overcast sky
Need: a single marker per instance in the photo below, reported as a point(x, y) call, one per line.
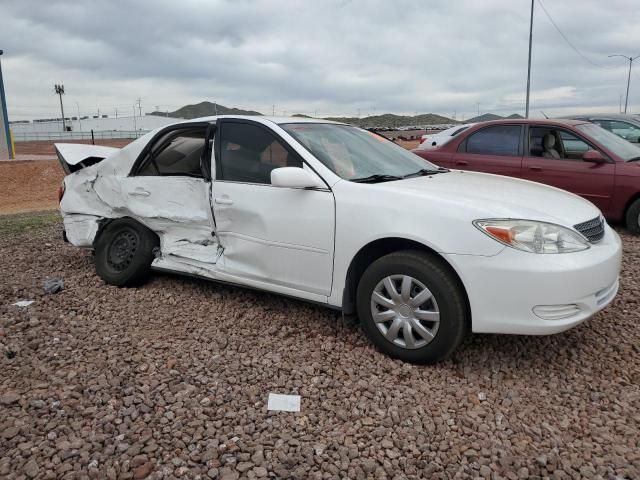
point(330, 57)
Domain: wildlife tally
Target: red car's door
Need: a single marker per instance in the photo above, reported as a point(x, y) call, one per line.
point(493, 149)
point(554, 156)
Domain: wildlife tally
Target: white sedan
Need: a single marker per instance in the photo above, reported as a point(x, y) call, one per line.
point(333, 214)
point(433, 140)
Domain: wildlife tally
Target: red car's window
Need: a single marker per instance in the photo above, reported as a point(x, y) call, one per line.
point(496, 140)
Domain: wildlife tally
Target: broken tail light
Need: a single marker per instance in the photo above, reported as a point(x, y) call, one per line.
point(60, 192)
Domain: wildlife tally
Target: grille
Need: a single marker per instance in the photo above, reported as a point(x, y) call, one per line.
point(592, 229)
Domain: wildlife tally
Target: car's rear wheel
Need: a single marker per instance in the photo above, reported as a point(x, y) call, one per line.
point(124, 252)
point(412, 307)
point(633, 217)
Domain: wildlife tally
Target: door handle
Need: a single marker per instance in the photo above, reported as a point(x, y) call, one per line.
point(461, 162)
point(139, 192)
point(536, 169)
point(224, 201)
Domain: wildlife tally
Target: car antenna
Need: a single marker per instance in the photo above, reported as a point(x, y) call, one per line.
point(545, 115)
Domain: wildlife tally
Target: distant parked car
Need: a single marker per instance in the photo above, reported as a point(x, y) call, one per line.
point(574, 155)
point(431, 140)
point(625, 126)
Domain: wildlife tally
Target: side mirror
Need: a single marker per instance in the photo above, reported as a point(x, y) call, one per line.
point(593, 156)
point(294, 177)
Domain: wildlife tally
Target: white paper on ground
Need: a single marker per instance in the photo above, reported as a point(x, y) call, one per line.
point(23, 303)
point(284, 403)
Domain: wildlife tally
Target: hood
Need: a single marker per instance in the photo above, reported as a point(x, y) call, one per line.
point(481, 195)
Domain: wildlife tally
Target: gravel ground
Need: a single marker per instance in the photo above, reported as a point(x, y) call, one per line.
point(171, 380)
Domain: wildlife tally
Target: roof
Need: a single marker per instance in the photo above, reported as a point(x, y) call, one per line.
point(605, 116)
point(534, 121)
point(265, 119)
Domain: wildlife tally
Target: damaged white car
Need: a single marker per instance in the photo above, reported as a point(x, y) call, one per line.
point(337, 215)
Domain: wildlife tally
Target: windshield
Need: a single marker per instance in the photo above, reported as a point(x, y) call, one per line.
point(622, 148)
point(353, 153)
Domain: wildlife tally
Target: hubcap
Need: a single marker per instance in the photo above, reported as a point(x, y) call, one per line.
point(122, 250)
point(405, 311)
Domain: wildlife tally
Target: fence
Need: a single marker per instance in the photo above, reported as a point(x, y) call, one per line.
point(98, 135)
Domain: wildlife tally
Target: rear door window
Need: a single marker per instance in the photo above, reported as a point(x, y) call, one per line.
point(501, 140)
point(179, 154)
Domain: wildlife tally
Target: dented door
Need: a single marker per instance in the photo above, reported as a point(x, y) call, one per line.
point(169, 192)
point(277, 236)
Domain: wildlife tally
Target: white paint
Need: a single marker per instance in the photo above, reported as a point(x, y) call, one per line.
point(292, 177)
point(283, 403)
point(74, 153)
point(442, 137)
point(300, 242)
point(23, 303)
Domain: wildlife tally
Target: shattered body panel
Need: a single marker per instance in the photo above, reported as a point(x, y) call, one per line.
point(177, 209)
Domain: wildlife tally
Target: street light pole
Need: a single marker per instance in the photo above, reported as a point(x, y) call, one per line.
point(59, 89)
point(631, 59)
point(5, 117)
point(526, 112)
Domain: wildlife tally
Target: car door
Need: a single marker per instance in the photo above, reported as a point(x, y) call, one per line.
point(567, 170)
point(492, 149)
point(273, 237)
point(169, 191)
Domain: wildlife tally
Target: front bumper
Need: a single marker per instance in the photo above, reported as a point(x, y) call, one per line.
point(531, 294)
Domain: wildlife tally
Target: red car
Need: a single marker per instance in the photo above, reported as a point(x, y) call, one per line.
point(573, 155)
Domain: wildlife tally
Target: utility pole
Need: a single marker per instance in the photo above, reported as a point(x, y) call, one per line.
point(116, 112)
point(140, 107)
point(631, 59)
point(59, 89)
point(215, 108)
point(620, 109)
point(4, 120)
point(134, 120)
point(478, 103)
point(79, 120)
point(526, 110)
point(273, 110)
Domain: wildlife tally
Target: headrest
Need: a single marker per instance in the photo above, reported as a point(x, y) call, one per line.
point(549, 140)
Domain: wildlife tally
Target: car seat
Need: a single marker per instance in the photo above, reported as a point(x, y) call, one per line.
point(549, 142)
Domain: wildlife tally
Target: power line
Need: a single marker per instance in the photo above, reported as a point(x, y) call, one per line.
point(575, 49)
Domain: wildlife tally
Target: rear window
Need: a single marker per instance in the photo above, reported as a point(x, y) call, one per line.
point(496, 140)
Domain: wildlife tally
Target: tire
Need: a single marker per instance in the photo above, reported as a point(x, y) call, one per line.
point(633, 217)
point(447, 303)
point(124, 252)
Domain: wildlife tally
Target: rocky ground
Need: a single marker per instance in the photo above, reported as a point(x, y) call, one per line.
point(171, 380)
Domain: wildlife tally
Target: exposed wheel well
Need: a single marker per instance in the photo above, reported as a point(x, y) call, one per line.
point(370, 253)
point(104, 222)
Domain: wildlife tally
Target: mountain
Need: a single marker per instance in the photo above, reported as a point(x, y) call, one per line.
point(391, 120)
point(485, 117)
point(205, 109)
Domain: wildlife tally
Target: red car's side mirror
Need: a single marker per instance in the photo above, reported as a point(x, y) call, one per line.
point(593, 156)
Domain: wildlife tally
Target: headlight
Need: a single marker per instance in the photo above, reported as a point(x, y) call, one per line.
point(532, 236)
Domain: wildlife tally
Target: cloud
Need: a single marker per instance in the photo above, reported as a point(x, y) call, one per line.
point(330, 57)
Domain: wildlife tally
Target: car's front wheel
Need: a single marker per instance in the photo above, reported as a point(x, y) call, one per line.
point(633, 217)
point(124, 252)
point(412, 307)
